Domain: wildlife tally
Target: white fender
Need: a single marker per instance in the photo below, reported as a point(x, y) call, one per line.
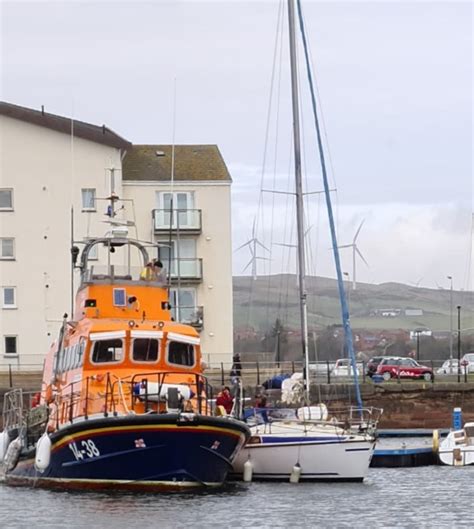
point(295, 474)
point(43, 452)
point(13, 453)
point(248, 471)
point(315, 413)
point(4, 442)
point(152, 390)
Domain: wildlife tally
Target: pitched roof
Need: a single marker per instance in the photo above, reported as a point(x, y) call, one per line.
point(192, 162)
point(83, 130)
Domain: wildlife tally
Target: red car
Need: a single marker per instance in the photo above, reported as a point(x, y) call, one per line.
point(399, 367)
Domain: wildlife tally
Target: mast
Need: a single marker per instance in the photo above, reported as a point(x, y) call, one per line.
point(340, 282)
point(299, 197)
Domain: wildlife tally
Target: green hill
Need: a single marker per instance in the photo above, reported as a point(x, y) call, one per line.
point(257, 303)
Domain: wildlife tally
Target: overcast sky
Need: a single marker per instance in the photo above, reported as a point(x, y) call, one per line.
point(395, 84)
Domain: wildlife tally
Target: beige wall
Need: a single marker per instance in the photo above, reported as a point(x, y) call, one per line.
point(213, 245)
point(47, 175)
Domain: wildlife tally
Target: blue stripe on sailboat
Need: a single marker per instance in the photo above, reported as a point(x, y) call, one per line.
point(274, 439)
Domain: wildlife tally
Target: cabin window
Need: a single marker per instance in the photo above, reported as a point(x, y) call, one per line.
point(72, 357)
point(80, 353)
point(180, 353)
point(119, 297)
point(469, 431)
point(64, 363)
point(145, 349)
point(106, 351)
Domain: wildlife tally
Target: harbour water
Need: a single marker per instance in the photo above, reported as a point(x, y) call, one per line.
point(422, 497)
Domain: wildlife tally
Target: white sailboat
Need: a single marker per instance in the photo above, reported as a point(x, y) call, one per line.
point(306, 444)
point(457, 449)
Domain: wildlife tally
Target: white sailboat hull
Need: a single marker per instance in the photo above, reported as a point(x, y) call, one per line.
point(340, 458)
point(457, 449)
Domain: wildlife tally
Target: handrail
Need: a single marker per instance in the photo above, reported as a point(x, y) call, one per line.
point(74, 400)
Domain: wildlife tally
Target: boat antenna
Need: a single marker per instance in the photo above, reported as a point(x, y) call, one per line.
point(72, 261)
point(340, 282)
point(171, 202)
point(72, 204)
point(299, 199)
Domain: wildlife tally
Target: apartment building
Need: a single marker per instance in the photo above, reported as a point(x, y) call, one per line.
point(55, 175)
point(194, 242)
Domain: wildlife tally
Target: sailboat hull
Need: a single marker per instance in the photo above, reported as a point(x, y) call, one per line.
point(136, 453)
point(320, 460)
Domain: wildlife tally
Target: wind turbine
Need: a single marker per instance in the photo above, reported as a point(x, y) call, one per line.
point(294, 246)
point(253, 243)
point(355, 250)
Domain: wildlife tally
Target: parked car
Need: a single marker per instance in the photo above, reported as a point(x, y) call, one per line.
point(372, 365)
point(449, 367)
point(400, 367)
point(320, 368)
point(467, 362)
point(343, 368)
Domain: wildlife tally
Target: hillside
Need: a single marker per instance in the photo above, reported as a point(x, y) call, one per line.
point(258, 304)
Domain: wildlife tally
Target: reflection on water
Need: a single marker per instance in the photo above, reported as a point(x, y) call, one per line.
point(411, 497)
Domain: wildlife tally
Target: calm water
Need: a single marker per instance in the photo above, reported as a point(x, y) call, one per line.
point(414, 497)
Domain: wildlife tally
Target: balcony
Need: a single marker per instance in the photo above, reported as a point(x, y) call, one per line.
point(188, 270)
point(186, 221)
point(193, 316)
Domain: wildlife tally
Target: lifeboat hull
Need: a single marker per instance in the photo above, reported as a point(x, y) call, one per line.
point(149, 452)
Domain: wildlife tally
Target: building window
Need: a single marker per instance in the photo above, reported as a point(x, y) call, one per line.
point(182, 204)
point(11, 345)
point(93, 253)
point(88, 199)
point(6, 199)
point(9, 297)
point(7, 248)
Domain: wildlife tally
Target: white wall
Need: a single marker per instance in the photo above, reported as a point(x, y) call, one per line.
point(47, 175)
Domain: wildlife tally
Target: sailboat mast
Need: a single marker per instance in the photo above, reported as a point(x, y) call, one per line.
point(299, 195)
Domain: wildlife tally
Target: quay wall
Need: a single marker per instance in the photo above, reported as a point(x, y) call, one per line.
point(405, 405)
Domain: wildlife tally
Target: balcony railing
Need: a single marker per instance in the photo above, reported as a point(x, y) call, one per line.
point(186, 269)
point(189, 315)
point(183, 220)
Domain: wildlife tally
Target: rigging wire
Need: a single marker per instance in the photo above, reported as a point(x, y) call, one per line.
point(275, 162)
point(324, 130)
point(264, 161)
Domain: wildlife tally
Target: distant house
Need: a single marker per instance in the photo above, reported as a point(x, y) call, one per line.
point(389, 313)
point(413, 312)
